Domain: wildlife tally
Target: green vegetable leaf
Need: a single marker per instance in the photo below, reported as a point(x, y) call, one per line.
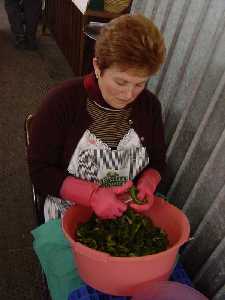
point(129, 235)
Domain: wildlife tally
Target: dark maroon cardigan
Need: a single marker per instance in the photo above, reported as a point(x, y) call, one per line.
point(62, 119)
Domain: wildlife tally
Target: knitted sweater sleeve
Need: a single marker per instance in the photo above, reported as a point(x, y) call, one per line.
point(158, 147)
point(47, 137)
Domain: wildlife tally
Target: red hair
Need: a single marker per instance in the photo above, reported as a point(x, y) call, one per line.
point(130, 42)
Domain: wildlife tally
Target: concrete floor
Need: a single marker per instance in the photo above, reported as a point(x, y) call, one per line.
point(25, 77)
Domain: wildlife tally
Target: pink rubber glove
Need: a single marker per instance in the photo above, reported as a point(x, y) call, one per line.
point(146, 186)
point(104, 201)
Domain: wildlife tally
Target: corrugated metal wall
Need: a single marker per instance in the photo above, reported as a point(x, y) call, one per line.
point(191, 88)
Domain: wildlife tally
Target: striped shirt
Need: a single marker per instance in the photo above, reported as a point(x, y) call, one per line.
point(109, 125)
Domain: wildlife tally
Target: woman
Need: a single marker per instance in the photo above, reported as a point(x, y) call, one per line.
point(104, 129)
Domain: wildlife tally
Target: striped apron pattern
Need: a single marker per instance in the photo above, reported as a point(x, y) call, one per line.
point(95, 161)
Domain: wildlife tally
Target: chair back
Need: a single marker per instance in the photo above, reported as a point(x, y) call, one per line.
point(38, 200)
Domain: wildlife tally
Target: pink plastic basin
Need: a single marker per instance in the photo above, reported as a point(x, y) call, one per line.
point(122, 276)
point(168, 290)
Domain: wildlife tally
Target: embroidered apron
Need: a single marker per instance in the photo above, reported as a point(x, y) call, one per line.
point(95, 161)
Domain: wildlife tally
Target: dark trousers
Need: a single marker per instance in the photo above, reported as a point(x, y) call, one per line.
point(23, 16)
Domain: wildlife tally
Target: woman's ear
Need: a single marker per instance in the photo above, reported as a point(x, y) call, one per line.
point(96, 67)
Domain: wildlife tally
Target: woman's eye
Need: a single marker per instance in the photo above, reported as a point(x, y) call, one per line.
point(120, 83)
point(140, 85)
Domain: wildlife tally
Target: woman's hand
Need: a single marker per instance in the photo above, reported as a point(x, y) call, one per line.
point(146, 186)
point(106, 202)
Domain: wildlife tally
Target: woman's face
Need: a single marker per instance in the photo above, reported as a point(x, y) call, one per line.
point(119, 88)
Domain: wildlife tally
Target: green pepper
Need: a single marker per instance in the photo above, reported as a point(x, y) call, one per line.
point(133, 193)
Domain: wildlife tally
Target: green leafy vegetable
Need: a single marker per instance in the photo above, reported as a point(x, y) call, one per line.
point(129, 235)
point(133, 194)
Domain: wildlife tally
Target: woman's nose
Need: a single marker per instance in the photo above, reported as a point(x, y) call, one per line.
point(129, 93)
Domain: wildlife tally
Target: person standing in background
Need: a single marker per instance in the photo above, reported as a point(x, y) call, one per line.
point(23, 17)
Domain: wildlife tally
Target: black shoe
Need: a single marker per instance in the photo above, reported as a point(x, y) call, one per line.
point(19, 42)
point(31, 44)
point(20, 45)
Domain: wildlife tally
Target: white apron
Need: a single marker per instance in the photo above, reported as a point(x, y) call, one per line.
point(95, 161)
